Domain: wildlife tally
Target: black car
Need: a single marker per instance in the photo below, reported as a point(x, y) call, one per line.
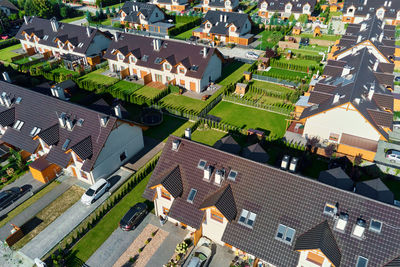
point(304, 41)
point(7, 197)
point(133, 217)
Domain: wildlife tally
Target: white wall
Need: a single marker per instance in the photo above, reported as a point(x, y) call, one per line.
point(124, 138)
point(161, 202)
point(303, 262)
point(213, 70)
point(338, 121)
point(214, 229)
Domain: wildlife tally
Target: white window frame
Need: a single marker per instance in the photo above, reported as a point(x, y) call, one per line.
point(284, 234)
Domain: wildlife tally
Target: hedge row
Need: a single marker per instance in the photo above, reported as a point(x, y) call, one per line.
point(281, 108)
point(281, 76)
point(293, 66)
point(185, 27)
point(9, 42)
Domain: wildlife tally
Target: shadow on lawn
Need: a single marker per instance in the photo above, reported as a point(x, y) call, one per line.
point(30, 225)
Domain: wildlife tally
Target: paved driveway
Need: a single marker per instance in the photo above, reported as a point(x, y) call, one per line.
point(119, 241)
point(222, 256)
point(238, 52)
point(27, 181)
point(64, 224)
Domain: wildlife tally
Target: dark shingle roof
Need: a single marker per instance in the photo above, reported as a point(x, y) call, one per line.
point(228, 144)
point(336, 177)
point(393, 263)
point(84, 148)
point(375, 189)
point(297, 5)
point(172, 182)
point(7, 117)
point(220, 26)
point(8, 4)
point(372, 6)
point(172, 51)
point(320, 237)
point(42, 111)
point(277, 197)
point(224, 201)
point(255, 152)
point(132, 15)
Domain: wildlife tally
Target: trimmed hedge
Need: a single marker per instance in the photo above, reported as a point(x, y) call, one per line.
point(196, 21)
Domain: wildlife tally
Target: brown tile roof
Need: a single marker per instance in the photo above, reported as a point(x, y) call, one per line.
point(277, 197)
point(224, 201)
point(363, 143)
point(384, 100)
point(317, 97)
point(381, 118)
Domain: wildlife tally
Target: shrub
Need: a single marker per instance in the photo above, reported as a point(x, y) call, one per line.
point(181, 248)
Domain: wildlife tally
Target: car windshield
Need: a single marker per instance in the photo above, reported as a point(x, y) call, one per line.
point(90, 192)
point(128, 216)
point(3, 195)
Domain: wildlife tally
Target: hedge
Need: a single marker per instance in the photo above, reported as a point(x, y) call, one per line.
point(183, 28)
point(9, 42)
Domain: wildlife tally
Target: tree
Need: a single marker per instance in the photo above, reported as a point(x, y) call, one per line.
point(113, 10)
point(64, 12)
point(312, 143)
point(108, 12)
point(329, 150)
point(88, 16)
point(303, 18)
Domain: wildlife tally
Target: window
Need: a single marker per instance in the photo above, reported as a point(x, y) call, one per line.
point(232, 175)
point(217, 216)
point(165, 210)
point(333, 137)
point(375, 226)
point(18, 125)
point(83, 174)
point(120, 57)
point(132, 59)
point(247, 218)
point(167, 66)
point(65, 145)
point(202, 164)
point(34, 131)
point(165, 194)
point(315, 258)
point(181, 70)
point(330, 209)
point(122, 157)
point(362, 262)
point(285, 234)
point(191, 195)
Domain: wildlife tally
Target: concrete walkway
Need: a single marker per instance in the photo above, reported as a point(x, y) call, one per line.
point(64, 224)
point(36, 207)
point(119, 241)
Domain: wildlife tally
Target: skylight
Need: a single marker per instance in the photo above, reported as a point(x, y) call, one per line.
point(145, 57)
point(80, 45)
point(194, 68)
point(247, 218)
point(80, 122)
point(18, 125)
point(18, 101)
point(34, 131)
point(65, 145)
point(362, 262)
point(45, 37)
point(232, 175)
point(375, 226)
point(158, 60)
point(359, 229)
point(330, 209)
point(285, 234)
point(202, 164)
point(191, 195)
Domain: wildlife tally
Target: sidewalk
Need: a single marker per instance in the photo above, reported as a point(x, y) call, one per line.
point(36, 207)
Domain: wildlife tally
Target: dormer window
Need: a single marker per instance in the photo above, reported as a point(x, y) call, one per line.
point(182, 70)
point(132, 59)
point(18, 125)
point(167, 66)
point(120, 57)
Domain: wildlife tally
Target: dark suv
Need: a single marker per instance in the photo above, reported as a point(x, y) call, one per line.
point(133, 217)
point(7, 197)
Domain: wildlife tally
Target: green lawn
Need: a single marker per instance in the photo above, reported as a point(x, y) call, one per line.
point(269, 39)
point(270, 86)
point(106, 226)
point(323, 37)
point(69, 20)
point(148, 92)
point(169, 125)
point(290, 73)
point(22, 61)
point(27, 203)
point(125, 86)
point(182, 102)
point(6, 53)
point(248, 117)
point(232, 72)
point(64, 71)
point(263, 99)
point(207, 136)
point(97, 77)
point(313, 48)
point(398, 42)
point(185, 35)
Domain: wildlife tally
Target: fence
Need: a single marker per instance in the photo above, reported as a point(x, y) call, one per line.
point(284, 109)
point(275, 80)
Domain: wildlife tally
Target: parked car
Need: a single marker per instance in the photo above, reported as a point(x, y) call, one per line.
point(251, 55)
point(397, 79)
point(285, 162)
point(95, 191)
point(7, 197)
point(293, 164)
point(133, 217)
point(200, 255)
point(193, 38)
point(393, 155)
point(304, 41)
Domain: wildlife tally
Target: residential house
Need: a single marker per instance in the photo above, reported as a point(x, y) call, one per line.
point(173, 5)
point(58, 135)
point(352, 104)
point(140, 15)
point(333, 5)
point(189, 66)
point(8, 8)
point(355, 11)
point(76, 45)
point(285, 8)
point(221, 5)
point(269, 215)
point(228, 27)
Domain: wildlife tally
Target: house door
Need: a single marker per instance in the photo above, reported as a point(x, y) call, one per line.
point(193, 86)
point(142, 74)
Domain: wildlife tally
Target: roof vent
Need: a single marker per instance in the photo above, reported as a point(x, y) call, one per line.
point(363, 27)
point(103, 121)
point(359, 38)
point(346, 70)
point(207, 173)
point(62, 119)
point(175, 144)
point(357, 101)
point(117, 111)
point(359, 229)
point(219, 176)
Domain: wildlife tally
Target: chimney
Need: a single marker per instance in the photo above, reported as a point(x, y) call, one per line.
point(6, 77)
point(336, 98)
point(363, 27)
point(69, 124)
point(365, 2)
point(204, 52)
point(221, 18)
point(88, 31)
point(54, 24)
point(157, 44)
point(376, 65)
point(116, 36)
point(219, 176)
point(381, 37)
point(103, 121)
point(371, 91)
point(188, 133)
point(207, 173)
point(62, 120)
point(346, 71)
point(359, 38)
point(2, 99)
point(225, 18)
point(117, 111)
point(26, 20)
